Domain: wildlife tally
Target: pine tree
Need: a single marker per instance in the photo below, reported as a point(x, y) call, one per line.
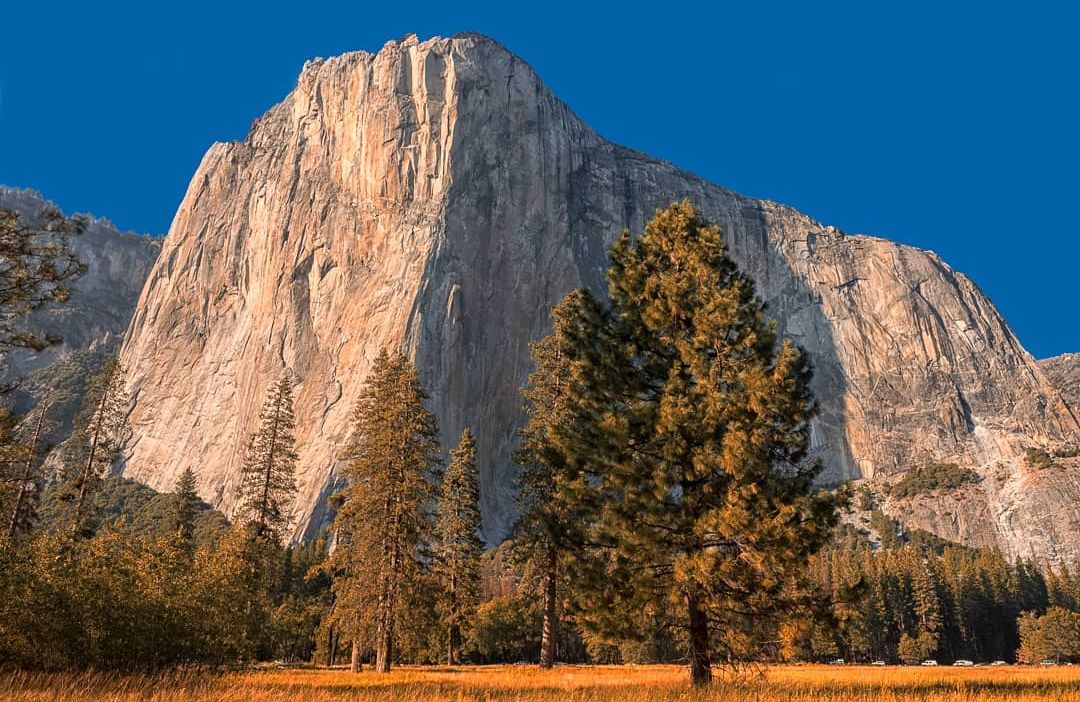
point(11, 461)
point(24, 462)
point(384, 524)
point(185, 506)
point(693, 424)
point(97, 440)
point(37, 267)
point(927, 607)
point(459, 547)
point(547, 528)
point(267, 477)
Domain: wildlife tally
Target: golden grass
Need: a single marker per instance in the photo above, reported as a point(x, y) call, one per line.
point(564, 684)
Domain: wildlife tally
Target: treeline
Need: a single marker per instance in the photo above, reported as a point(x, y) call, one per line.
point(917, 598)
point(98, 572)
point(124, 599)
point(667, 512)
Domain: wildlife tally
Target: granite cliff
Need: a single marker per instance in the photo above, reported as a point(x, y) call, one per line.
point(102, 300)
point(435, 195)
point(1064, 373)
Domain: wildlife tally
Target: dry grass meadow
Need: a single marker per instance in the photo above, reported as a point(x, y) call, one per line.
point(564, 684)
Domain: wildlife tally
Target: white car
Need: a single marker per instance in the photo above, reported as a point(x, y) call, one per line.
point(999, 663)
point(878, 663)
point(1049, 661)
point(838, 661)
point(929, 661)
point(963, 663)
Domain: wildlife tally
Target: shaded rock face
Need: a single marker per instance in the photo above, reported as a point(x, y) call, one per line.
point(102, 299)
point(1064, 374)
point(1026, 511)
point(437, 196)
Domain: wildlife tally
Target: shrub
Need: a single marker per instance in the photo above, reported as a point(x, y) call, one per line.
point(1071, 451)
point(505, 629)
point(885, 526)
point(933, 476)
point(1054, 635)
point(1038, 458)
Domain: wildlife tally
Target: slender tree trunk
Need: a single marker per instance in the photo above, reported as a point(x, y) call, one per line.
point(551, 613)
point(384, 646)
point(264, 505)
point(355, 666)
point(330, 646)
point(700, 668)
point(385, 655)
point(383, 634)
point(453, 632)
point(452, 638)
point(88, 469)
point(551, 565)
point(27, 473)
point(384, 650)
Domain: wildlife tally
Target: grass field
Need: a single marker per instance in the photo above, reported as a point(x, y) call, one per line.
point(564, 684)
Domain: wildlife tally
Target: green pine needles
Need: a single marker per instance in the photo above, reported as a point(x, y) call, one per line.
point(685, 445)
point(385, 522)
point(267, 476)
point(458, 546)
point(95, 443)
point(185, 507)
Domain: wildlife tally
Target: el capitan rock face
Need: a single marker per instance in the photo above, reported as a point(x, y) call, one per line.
point(437, 196)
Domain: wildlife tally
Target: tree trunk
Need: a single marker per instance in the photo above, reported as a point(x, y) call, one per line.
point(84, 485)
point(355, 666)
point(27, 473)
point(331, 645)
point(88, 469)
point(384, 651)
point(384, 645)
point(264, 505)
point(700, 668)
point(551, 613)
point(452, 637)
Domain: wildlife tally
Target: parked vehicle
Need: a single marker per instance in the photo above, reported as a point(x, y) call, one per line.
point(964, 663)
point(838, 661)
point(878, 663)
point(999, 663)
point(929, 661)
point(1049, 661)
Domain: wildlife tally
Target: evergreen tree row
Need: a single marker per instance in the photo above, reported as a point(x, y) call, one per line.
point(921, 599)
point(667, 512)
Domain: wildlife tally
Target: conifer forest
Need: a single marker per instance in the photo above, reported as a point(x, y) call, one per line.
point(666, 512)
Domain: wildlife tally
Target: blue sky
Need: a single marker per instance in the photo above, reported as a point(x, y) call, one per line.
point(950, 128)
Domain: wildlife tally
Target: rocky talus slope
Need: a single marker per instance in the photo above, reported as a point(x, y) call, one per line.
point(435, 195)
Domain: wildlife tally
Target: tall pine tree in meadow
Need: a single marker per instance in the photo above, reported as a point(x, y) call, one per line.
point(692, 424)
point(547, 532)
point(267, 476)
point(95, 443)
point(385, 522)
point(459, 547)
